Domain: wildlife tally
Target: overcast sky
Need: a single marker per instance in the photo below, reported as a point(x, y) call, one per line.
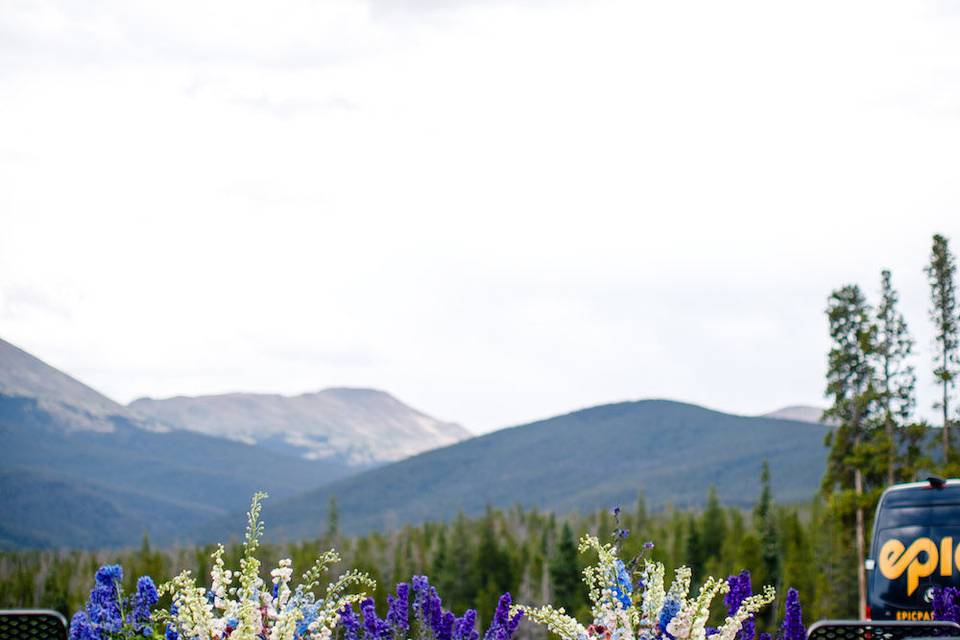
point(498, 211)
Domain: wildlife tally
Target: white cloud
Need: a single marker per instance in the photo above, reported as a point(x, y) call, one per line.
point(497, 211)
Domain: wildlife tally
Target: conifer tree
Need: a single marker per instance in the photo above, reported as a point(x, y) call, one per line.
point(766, 526)
point(333, 522)
point(850, 378)
point(896, 377)
point(941, 273)
point(694, 551)
point(565, 572)
point(714, 526)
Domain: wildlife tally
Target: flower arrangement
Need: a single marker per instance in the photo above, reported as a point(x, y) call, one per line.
point(238, 604)
point(645, 608)
point(108, 614)
point(430, 620)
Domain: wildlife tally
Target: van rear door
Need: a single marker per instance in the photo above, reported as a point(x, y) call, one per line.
point(915, 545)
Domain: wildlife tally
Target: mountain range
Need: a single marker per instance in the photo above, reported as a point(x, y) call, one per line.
point(78, 469)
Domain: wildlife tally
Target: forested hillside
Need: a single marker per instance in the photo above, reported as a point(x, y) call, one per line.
point(603, 455)
point(530, 553)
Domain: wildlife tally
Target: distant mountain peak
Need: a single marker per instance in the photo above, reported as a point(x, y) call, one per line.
point(76, 406)
point(798, 413)
point(358, 426)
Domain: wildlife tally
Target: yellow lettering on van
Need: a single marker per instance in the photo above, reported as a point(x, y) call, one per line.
point(894, 561)
point(946, 556)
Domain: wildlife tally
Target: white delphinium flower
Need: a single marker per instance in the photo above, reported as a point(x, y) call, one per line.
point(752, 604)
point(194, 617)
point(597, 577)
point(557, 621)
point(690, 623)
point(281, 580)
point(328, 611)
point(220, 579)
point(249, 616)
point(653, 593)
point(286, 625)
point(680, 587)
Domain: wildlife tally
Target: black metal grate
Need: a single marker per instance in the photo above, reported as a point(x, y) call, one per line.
point(880, 630)
point(32, 625)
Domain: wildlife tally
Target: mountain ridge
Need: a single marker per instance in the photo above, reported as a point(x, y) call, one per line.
point(77, 405)
point(669, 451)
point(354, 425)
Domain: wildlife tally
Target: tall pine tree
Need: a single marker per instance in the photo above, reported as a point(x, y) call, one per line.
point(565, 573)
point(850, 377)
point(941, 273)
point(765, 523)
point(896, 379)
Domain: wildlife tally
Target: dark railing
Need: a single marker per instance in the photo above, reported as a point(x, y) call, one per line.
point(32, 625)
point(881, 630)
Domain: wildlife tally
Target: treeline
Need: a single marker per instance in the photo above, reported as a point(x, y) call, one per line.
point(529, 553)
point(871, 383)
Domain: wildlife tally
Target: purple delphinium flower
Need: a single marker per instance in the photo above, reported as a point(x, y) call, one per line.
point(376, 629)
point(351, 624)
point(740, 589)
point(466, 627)
point(765, 636)
point(945, 604)
point(792, 628)
point(445, 626)
point(503, 626)
point(398, 616)
point(421, 600)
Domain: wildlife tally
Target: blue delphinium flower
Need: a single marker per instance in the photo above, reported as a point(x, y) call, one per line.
point(103, 615)
point(80, 627)
point(793, 628)
point(103, 607)
point(740, 589)
point(669, 610)
point(622, 585)
point(143, 600)
point(171, 632)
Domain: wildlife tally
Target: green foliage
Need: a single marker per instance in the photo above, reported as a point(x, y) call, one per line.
point(941, 273)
